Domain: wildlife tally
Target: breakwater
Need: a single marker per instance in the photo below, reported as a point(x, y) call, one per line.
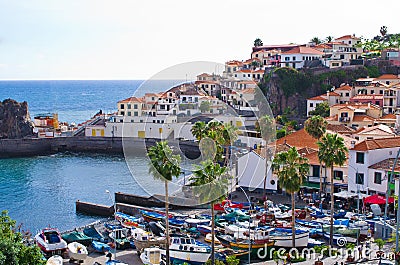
point(114, 145)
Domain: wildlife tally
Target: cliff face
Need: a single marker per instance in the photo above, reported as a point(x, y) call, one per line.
point(288, 89)
point(14, 120)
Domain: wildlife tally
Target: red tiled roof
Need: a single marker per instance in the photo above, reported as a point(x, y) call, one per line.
point(377, 144)
point(303, 50)
point(345, 37)
point(248, 91)
point(339, 128)
point(386, 165)
point(357, 105)
point(390, 116)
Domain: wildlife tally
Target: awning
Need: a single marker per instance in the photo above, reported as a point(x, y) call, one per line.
point(310, 185)
point(377, 199)
point(345, 194)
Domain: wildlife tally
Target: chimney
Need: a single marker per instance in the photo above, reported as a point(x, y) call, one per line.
point(327, 94)
point(352, 144)
point(369, 104)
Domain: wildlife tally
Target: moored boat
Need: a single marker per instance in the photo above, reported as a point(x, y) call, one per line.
point(152, 256)
point(76, 236)
point(100, 247)
point(143, 239)
point(50, 242)
point(208, 239)
point(185, 249)
point(120, 238)
point(283, 237)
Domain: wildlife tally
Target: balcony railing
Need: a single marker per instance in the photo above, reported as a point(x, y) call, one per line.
point(344, 119)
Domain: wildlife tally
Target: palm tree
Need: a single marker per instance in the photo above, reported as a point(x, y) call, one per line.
point(332, 151)
point(316, 40)
point(258, 42)
point(199, 130)
point(383, 31)
point(229, 134)
point(316, 127)
point(329, 39)
point(266, 126)
point(291, 169)
point(210, 186)
point(164, 165)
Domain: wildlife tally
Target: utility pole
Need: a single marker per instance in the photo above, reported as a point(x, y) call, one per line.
point(387, 198)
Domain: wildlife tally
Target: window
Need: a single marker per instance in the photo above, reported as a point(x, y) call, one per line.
point(294, 58)
point(287, 58)
point(360, 178)
point(381, 92)
point(337, 174)
point(378, 178)
point(135, 114)
point(315, 171)
point(122, 106)
point(359, 158)
point(129, 113)
point(311, 105)
point(129, 106)
point(122, 113)
point(135, 106)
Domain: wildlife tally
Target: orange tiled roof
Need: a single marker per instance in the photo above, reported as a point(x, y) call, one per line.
point(299, 139)
point(362, 118)
point(131, 99)
point(317, 98)
point(390, 116)
point(387, 76)
point(345, 37)
point(303, 50)
point(345, 87)
point(248, 91)
point(377, 144)
point(357, 105)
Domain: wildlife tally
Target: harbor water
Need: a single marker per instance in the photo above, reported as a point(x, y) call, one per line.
point(41, 191)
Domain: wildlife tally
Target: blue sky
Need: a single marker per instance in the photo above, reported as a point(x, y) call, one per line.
point(96, 39)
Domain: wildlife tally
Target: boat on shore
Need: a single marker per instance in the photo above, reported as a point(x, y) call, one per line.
point(50, 242)
point(100, 247)
point(55, 260)
point(283, 237)
point(152, 256)
point(77, 252)
point(143, 239)
point(120, 238)
point(76, 236)
point(186, 249)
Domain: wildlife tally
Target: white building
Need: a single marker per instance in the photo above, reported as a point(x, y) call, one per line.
point(252, 169)
point(369, 164)
point(299, 56)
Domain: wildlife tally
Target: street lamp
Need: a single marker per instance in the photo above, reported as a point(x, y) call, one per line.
point(247, 197)
point(115, 217)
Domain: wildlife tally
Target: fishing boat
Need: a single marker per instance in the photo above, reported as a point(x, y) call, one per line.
point(152, 216)
point(185, 249)
point(120, 238)
point(283, 237)
point(55, 260)
point(76, 236)
point(77, 252)
point(204, 229)
point(92, 232)
point(127, 220)
point(223, 253)
point(50, 242)
point(100, 247)
point(143, 239)
point(194, 222)
point(152, 256)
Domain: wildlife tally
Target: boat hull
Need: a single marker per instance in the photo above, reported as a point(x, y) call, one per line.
point(193, 258)
point(301, 239)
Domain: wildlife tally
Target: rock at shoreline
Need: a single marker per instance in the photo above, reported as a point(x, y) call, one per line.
point(14, 120)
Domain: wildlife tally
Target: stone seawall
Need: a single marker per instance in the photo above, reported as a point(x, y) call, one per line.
point(46, 146)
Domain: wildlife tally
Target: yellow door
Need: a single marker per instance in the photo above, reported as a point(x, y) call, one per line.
point(93, 132)
point(141, 134)
point(160, 130)
point(238, 124)
point(102, 132)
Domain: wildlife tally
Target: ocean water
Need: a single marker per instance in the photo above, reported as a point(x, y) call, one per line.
point(41, 191)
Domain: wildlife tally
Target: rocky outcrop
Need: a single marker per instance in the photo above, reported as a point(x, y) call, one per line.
point(15, 122)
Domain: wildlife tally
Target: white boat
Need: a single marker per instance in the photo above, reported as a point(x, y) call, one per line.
point(55, 260)
point(208, 239)
point(144, 239)
point(152, 256)
point(50, 242)
point(283, 237)
point(185, 249)
point(77, 251)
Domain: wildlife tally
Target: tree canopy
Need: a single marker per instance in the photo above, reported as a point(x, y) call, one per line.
point(321, 109)
point(258, 42)
point(13, 251)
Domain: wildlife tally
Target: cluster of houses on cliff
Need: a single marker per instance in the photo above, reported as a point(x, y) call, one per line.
point(363, 113)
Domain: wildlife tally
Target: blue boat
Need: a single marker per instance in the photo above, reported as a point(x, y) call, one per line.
point(100, 247)
point(93, 233)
